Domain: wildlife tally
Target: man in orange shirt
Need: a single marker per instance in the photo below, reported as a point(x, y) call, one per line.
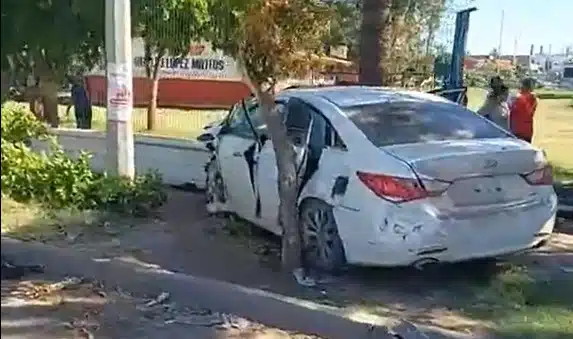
point(522, 111)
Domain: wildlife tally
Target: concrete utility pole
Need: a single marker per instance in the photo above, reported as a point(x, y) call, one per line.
point(501, 33)
point(119, 139)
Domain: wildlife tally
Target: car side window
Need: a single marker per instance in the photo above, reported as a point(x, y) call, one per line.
point(298, 120)
point(323, 133)
point(238, 123)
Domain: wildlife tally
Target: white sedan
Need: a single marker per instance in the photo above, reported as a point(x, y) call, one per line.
point(389, 178)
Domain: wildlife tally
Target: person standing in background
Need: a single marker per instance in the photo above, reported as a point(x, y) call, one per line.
point(82, 104)
point(522, 111)
point(495, 107)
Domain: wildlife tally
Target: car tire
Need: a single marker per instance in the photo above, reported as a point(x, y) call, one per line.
point(322, 247)
point(215, 197)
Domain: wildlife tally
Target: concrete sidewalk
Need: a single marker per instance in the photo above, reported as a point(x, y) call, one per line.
point(269, 309)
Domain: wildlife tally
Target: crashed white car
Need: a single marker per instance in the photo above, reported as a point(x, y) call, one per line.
point(389, 178)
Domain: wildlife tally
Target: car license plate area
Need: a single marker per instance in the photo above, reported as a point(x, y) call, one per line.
point(477, 191)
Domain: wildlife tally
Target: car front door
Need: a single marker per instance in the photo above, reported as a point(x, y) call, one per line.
point(236, 152)
point(299, 122)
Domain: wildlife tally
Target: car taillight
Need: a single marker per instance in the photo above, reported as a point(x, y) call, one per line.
point(398, 189)
point(539, 177)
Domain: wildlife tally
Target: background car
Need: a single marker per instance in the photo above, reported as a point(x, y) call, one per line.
point(389, 178)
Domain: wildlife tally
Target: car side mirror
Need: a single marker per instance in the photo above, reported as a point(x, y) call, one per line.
point(206, 137)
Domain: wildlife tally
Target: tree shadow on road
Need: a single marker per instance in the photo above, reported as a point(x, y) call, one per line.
point(460, 297)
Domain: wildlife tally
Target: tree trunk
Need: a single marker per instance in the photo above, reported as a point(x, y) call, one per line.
point(374, 40)
point(5, 85)
point(152, 106)
point(385, 39)
point(288, 182)
point(49, 93)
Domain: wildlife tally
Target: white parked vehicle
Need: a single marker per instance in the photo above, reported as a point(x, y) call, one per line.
point(389, 178)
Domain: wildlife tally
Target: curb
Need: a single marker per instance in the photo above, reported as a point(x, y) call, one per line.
point(189, 291)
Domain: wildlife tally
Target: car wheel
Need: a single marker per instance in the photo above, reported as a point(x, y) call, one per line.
point(322, 245)
point(215, 197)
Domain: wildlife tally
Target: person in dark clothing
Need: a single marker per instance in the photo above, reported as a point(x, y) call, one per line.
point(82, 105)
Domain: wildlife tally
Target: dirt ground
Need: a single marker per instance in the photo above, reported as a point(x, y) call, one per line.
point(45, 308)
point(185, 239)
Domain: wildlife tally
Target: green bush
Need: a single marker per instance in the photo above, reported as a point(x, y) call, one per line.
point(57, 180)
point(20, 125)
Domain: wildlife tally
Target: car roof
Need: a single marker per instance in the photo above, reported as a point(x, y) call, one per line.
point(348, 96)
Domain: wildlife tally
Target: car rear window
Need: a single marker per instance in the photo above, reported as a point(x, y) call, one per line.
point(411, 122)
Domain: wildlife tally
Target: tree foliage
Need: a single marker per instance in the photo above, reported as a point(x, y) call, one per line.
point(344, 26)
point(406, 34)
point(413, 25)
point(272, 40)
point(167, 27)
point(49, 39)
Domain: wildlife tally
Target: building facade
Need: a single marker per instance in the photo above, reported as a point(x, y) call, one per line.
point(203, 78)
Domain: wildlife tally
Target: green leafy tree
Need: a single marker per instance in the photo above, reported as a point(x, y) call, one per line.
point(167, 27)
point(49, 39)
point(273, 40)
point(344, 25)
point(396, 36)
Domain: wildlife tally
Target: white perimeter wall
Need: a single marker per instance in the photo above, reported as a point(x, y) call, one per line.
point(179, 161)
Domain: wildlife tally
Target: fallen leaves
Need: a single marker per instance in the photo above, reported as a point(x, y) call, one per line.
point(41, 290)
point(82, 300)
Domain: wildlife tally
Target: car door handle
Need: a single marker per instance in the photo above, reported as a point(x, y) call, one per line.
point(238, 154)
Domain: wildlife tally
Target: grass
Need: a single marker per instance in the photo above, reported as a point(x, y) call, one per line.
point(176, 123)
point(553, 130)
point(32, 222)
point(515, 305)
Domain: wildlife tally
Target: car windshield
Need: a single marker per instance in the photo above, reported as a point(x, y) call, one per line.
point(420, 121)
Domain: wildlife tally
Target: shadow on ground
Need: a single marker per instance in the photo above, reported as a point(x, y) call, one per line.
point(42, 307)
point(453, 299)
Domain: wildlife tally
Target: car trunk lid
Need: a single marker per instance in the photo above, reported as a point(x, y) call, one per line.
point(481, 172)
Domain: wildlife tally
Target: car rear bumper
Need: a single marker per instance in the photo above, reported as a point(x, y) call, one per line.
point(419, 237)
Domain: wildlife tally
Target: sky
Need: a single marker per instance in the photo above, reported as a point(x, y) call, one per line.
point(538, 22)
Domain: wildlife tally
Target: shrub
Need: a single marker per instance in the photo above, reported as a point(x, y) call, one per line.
point(20, 125)
point(57, 180)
